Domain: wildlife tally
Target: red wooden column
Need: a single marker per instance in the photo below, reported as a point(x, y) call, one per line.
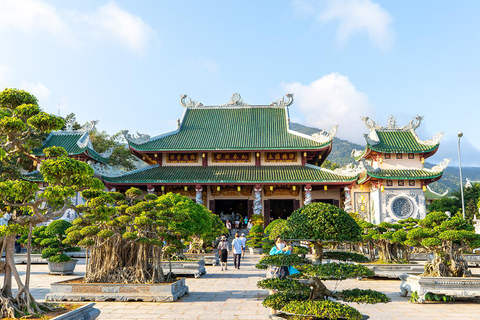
point(205, 159)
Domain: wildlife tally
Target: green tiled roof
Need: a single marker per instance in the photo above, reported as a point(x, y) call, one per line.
point(226, 128)
point(230, 174)
point(34, 176)
point(400, 141)
point(68, 140)
point(404, 174)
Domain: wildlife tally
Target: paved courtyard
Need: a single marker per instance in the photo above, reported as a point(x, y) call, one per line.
point(233, 294)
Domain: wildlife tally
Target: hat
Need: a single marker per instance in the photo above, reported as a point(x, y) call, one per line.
point(224, 238)
point(243, 234)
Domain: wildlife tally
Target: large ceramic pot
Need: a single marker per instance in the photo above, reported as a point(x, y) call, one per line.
point(62, 268)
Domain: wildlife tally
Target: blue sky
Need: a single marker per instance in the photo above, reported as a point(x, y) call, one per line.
point(126, 63)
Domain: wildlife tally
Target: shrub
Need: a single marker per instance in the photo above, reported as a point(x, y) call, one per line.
point(278, 300)
point(255, 237)
point(322, 309)
point(288, 285)
point(345, 256)
point(57, 246)
point(364, 296)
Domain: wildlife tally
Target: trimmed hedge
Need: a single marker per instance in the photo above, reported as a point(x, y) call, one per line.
point(322, 309)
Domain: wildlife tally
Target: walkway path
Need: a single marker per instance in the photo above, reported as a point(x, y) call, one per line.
point(233, 294)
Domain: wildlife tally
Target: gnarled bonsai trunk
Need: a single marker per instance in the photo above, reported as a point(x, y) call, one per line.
point(450, 264)
point(317, 252)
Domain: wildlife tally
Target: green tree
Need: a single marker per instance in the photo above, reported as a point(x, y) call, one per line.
point(327, 164)
point(320, 223)
point(23, 124)
point(446, 238)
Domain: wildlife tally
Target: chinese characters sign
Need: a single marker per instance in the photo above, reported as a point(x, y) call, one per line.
point(281, 157)
point(230, 157)
point(182, 157)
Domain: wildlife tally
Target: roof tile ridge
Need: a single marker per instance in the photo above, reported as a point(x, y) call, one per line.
point(439, 167)
point(438, 194)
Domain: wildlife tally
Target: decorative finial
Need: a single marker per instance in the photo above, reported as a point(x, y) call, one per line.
point(235, 100)
point(369, 123)
point(190, 103)
point(392, 122)
point(282, 102)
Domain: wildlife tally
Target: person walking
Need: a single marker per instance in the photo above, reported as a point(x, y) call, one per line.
point(237, 246)
point(229, 227)
point(244, 242)
point(223, 252)
point(245, 222)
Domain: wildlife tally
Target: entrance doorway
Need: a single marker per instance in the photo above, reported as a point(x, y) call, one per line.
point(281, 209)
point(229, 206)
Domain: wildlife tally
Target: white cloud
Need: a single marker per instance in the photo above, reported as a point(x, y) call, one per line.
point(109, 21)
point(38, 89)
point(353, 17)
point(31, 16)
point(332, 100)
point(112, 21)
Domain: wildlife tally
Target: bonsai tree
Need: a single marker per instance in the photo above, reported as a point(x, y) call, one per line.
point(56, 248)
point(257, 220)
point(38, 234)
point(271, 232)
point(255, 237)
point(321, 223)
point(446, 238)
point(305, 295)
point(389, 239)
point(23, 205)
point(128, 237)
point(204, 235)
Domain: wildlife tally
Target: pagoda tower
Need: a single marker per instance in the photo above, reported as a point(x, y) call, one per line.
point(393, 177)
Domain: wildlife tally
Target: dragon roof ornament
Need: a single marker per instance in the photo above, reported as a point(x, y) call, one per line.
point(189, 103)
point(356, 153)
point(106, 170)
point(138, 138)
point(351, 169)
point(392, 124)
point(323, 136)
point(432, 142)
point(441, 166)
point(282, 102)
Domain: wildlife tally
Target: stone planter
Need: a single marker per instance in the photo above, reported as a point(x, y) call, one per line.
point(472, 259)
point(20, 258)
point(450, 286)
point(393, 270)
point(62, 268)
point(255, 250)
point(186, 268)
point(158, 292)
point(209, 258)
point(86, 312)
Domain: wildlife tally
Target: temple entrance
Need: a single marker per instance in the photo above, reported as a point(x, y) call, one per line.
point(281, 209)
point(227, 207)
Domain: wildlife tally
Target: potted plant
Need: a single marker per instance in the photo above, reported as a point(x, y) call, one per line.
point(58, 261)
point(447, 273)
point(255, 239)
point(305, 295)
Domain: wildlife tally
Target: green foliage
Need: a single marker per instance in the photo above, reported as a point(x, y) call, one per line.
point(255, 237)
point(55, 152)
point(278, 300)
point(322, 309)
point(364, 296)
point(56, 234)
point(288, 285)
point(336, 271)
point(345, 256)
point(327, 164)
point(281, 260)
point(257, 220)
point(321, 221)
point(300, 250)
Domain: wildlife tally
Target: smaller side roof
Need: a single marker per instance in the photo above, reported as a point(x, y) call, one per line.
point(432, 195)
point(395, 139)
point(74, 142)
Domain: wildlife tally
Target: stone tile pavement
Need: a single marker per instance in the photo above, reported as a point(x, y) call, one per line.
point(233, 294)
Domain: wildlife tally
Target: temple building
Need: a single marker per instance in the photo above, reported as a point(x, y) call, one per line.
point(243, 158)
point(238, 158)
point(393, 179)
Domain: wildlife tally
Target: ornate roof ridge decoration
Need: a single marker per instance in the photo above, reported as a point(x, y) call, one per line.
point(357, 153)
point(109, 171)
point(281, 103)
point(436, 193)
point(432, 142)
point(441, 166)
point(189, 103)
point(138, 138)
point(351, 169)
point(392, 124)
point(235, 100)
point(323, 137)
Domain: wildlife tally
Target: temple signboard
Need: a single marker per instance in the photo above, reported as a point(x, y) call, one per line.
point(280, 157)
point(182, 157)
point(230, 157)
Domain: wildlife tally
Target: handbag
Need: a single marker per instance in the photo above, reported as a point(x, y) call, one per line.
point(277, 272)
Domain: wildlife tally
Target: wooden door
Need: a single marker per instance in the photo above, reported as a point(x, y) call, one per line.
point(266, 212)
